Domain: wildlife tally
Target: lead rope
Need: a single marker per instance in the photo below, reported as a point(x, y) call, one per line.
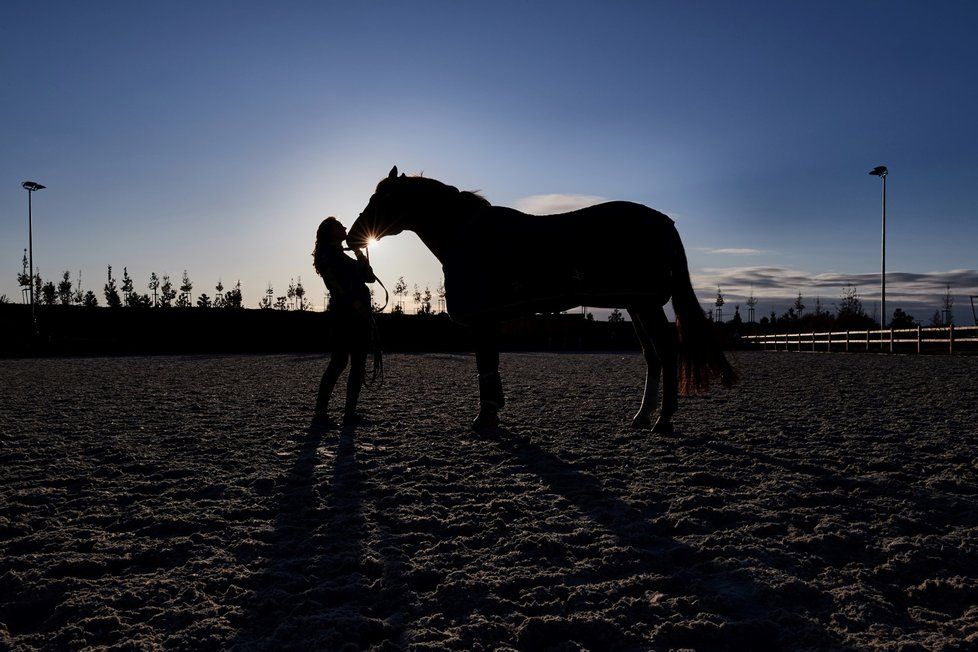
point(377, 373)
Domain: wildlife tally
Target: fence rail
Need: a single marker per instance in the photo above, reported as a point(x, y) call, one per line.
point(879, 340)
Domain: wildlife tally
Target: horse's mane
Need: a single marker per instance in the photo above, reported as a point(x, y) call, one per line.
point(469, 197)
point(473, 197)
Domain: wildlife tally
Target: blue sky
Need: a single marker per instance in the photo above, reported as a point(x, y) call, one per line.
point(214, 136)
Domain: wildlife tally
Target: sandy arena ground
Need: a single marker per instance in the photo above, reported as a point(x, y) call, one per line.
point(176, 502)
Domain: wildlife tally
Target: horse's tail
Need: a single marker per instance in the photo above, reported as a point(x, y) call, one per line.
point(700, 355)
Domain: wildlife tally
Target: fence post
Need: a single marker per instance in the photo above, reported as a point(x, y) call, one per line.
point(830, 342)
point(867, 339)
point(813, 341)
point(918, 338)
point(891, 340)
point(950, 338)
point(847, 341)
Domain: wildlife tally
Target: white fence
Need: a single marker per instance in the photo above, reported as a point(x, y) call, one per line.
point(947, 338)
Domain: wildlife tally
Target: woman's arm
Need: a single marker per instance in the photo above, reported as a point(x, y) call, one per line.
point(366, 271)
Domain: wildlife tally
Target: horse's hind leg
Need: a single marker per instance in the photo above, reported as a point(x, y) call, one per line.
point(491, 397)
point(666, 342)
point(643, 418)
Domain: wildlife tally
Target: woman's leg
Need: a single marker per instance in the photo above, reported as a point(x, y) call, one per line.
point(337, 363)
point(360, 329)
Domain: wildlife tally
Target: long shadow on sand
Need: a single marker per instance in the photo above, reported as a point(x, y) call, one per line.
point(867, 510)
point(308, 596)
point(727, 608)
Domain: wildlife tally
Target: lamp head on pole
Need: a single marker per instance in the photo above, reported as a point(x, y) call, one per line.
point(31, 186)
point(879, 171)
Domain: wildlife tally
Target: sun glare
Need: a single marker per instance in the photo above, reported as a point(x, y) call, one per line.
point(371, 242)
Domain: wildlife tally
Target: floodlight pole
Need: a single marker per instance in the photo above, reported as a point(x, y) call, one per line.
point(881, 171)
point(31, 187)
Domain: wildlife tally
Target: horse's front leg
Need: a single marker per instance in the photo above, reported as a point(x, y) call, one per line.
point(643, 418)
point(491, 398)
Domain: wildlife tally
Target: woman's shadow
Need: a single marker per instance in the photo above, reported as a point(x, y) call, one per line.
point(310, 592)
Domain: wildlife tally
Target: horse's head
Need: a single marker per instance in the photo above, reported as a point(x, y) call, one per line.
point(385, 212)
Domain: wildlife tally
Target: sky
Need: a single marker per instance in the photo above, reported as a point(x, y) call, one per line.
point(214, 136)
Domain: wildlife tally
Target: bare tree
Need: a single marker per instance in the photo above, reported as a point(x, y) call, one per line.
point(38, 283)
point(799, 306)
point(290, 292)
point(268, 300)
point(947, 306)
point(126, 286)
point(186, 287)
point(850, 312)
point(400, 290)
point(300, 294)
point(440, 293)
point(154, 285)
point(79, 296)
point(751, 306)
point(24, 281)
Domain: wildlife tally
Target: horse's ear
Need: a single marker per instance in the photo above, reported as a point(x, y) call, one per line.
point(393, 174)
point(403, 175)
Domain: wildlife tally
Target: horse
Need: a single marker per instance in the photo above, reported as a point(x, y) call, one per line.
point(501, 264)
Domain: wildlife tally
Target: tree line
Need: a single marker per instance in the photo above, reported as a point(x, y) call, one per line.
point(848, 314)
point(163, 292)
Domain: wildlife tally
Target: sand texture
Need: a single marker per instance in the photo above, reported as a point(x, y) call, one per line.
point(829, 501)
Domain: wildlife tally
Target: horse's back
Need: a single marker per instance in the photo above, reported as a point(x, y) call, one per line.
point(611, 254)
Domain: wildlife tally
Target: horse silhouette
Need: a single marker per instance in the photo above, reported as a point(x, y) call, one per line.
point(500, 264)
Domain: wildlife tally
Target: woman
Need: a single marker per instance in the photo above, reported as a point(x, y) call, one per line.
point(349, 305)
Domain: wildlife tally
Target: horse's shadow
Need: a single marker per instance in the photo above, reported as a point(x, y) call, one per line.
point(317, 588)
point(739, 612)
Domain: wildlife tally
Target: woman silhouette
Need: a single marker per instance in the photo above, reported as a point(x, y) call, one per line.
point(349, 304)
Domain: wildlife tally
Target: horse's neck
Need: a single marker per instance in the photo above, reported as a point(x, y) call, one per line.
point(438, 230)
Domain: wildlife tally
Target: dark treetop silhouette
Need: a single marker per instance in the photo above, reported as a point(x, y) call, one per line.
point(500, 263)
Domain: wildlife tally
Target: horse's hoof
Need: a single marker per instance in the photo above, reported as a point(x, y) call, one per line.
point(663, 426)
point(487, 420)
point(642, 422)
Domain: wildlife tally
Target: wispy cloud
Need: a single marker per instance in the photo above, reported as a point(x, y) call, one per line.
point(918, 292)
point(732, 251)
point(556, 203)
